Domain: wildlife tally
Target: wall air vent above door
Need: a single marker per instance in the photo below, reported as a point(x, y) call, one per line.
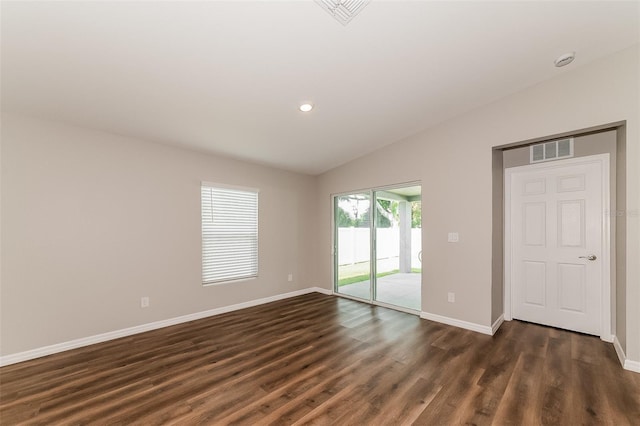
point(554, 150)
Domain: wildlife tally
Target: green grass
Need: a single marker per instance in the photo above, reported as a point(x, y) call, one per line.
point(365, 277)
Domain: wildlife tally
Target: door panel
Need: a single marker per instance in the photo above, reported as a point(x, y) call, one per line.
point(556, 221)
point(572, 287)
point(535, 283)
point(571, 223)
point(352, 245)
point(397, 267)
point(535, 224)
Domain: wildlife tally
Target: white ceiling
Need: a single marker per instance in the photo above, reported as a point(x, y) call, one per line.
point(227, 77)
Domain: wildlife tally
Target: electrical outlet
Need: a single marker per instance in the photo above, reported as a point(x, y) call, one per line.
point(451, 297)
point(144, 302)
point(453, 237)
point(290, 277)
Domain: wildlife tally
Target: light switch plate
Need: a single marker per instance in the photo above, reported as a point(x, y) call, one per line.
point(453, 237)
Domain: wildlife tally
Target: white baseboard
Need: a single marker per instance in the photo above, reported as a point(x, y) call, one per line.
point(619, 351)
point(626, 363)
point(607, 338)
point(496, 325)
point(111, 335)
point(632, 366)
point(86, 341)
point(484, 329)
point(322, 290)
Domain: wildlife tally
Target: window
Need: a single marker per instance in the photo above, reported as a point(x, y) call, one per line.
point(229, 233)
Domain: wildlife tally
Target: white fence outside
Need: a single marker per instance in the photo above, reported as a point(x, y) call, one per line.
point(354, 245)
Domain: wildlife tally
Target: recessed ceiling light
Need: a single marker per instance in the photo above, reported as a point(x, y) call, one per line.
point(306, 107)
point(565, 59)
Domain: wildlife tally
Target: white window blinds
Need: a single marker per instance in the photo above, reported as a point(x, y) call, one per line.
point(229, 234)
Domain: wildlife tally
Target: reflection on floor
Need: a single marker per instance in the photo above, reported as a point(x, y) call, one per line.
point(401, 289)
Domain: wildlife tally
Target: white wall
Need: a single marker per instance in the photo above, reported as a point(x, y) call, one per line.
point(454, 162)
point(91, 222)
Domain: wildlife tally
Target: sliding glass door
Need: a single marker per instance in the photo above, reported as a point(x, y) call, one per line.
point(353, 245)
point(398, 246)
point(383, 225)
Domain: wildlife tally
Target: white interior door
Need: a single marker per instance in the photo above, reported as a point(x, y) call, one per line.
point(556, 243)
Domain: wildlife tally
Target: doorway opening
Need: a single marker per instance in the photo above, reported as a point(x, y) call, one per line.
point(378, 246)
point(606, 139)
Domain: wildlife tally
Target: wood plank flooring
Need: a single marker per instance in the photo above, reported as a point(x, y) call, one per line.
point(324, 360)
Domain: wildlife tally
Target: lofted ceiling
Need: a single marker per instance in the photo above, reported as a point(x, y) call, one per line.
point(227, 77)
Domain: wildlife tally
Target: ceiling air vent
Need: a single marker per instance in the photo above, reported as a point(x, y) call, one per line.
point(343, 10)
point(554, 150)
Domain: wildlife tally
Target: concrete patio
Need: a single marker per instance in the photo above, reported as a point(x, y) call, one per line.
point(400, 289)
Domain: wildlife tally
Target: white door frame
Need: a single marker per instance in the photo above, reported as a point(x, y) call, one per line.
point(602, 159)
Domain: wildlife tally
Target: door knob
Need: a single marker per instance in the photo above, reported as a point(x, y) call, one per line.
point(590, 257)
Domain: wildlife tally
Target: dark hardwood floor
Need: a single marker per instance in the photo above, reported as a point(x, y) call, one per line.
point(319, 359)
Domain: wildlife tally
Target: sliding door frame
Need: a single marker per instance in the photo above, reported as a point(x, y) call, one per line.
point(372, 245)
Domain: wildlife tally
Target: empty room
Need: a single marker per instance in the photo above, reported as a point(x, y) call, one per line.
point(331, 212)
